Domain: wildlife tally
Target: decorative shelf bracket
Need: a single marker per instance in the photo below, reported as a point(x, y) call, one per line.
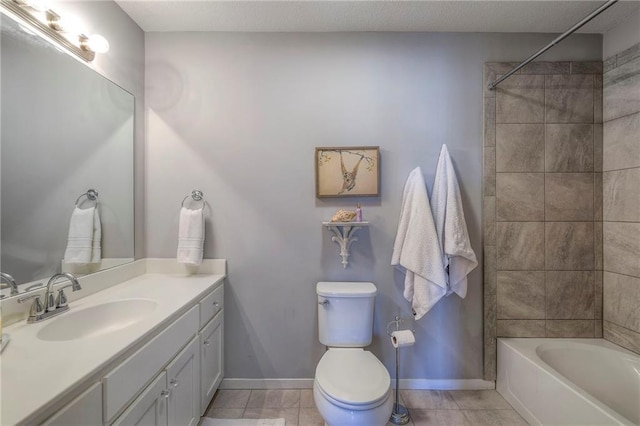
point(344, 235)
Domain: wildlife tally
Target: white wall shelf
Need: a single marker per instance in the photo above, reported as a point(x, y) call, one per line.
point(344, 235)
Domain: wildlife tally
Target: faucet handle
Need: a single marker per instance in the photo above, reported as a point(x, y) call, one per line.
point(36, 307)
point(61, 299)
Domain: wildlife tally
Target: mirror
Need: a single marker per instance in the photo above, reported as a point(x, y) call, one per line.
point(65, 129)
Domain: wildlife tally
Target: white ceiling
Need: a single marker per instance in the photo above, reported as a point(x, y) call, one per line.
point(368, 15)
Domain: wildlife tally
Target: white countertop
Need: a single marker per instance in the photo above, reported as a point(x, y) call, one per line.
point(37, 375)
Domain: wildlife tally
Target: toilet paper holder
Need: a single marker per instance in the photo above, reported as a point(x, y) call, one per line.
point(400, 414)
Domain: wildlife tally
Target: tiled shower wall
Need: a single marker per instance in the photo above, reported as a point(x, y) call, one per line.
point(542, 203)
point(621, 164)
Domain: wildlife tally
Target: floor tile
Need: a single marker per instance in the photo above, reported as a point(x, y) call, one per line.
point(290, 415)
point(480, 399)
point(310, 417)
point(427, 399)
point(225, 413)
point(274, 398)
point(494, 418)
point(306, 399)
point(231, 398)
point(439, 418)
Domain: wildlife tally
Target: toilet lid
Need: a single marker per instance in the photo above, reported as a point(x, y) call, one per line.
point(352, 376)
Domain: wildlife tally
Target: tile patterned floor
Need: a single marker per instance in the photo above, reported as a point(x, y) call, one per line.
point(427, 407)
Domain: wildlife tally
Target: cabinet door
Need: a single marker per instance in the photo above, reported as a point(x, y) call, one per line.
point(211, 358)
point(183, 375)
point(150, 408)
point(85, 410)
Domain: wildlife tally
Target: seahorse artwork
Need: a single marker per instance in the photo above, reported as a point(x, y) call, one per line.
point(349, 177)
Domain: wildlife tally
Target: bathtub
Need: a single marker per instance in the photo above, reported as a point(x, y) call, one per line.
point(570, 381)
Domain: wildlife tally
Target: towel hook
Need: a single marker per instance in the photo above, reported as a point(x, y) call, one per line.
point(91, 195)
point(197, 195)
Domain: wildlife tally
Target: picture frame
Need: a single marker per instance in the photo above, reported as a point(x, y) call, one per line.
point(347, 171)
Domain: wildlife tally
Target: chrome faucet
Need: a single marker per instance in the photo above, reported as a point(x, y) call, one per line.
point(10, 281)
point(52, 306)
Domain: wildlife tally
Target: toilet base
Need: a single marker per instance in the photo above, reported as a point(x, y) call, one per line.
point(338, 416)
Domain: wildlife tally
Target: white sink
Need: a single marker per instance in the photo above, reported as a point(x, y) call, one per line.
point(97, 320)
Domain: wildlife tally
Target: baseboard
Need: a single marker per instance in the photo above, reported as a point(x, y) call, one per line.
point(415, 384)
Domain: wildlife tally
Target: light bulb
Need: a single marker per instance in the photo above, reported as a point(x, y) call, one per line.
point(97, 43)
point(67, 24)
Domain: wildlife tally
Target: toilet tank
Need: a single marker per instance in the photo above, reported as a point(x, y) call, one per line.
point(345, 313)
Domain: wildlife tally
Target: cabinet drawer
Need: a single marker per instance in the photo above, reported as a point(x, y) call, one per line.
point(211, 305)
point(126, 380)
point(82, 411)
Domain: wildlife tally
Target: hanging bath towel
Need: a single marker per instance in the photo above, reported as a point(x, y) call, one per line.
point(417, 250)
point(446, 203)
point(191, 236)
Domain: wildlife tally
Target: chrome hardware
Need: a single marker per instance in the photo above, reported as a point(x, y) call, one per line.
point(61, 299)
point(325, 302)
point(196, 195)
point(174, 383)
point(206, 343)
point(91, 195)
point(36, 310)
point(10, 281)
point(52, 307)
point(165, 393)
point(216, 304)
point(34, 286)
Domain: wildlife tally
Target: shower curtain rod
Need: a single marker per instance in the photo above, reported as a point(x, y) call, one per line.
point(566, 34)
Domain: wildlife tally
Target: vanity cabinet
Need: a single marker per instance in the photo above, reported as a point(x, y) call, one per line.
point(85, 410)
point(150, 408)
point(212, 359)
point(183, 384)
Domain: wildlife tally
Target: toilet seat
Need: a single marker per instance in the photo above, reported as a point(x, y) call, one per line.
point(353, 378)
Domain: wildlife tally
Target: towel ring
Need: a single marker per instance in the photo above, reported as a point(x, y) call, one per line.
point(91, 195)
point(197, 195)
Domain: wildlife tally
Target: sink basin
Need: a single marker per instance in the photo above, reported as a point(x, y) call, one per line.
point(97, 320)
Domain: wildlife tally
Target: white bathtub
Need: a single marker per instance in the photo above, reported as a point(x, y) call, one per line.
point(570, 381)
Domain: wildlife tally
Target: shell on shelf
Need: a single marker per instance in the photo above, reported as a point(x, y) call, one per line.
point(343, 216)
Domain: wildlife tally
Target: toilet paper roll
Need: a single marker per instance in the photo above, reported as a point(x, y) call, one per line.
point(402, 338)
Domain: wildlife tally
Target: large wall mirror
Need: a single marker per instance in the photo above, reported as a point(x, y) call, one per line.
point(65, 129)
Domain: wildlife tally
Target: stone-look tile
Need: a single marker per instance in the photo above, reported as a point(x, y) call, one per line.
point(428, 399)
point(621, 192)
point(274, 398)
point(597, 246)
point(489, 219)
point(609, 64)
point(570, 328)
point(521, 295)
point(225, 413)
point(598, 105)
point(544, 67)
point(621, 146)
point(479, 400)
point(569, 148)
point(520, 245)
point(439, 418)
point(521, 328)
point(519, 147)
point(569, 98)
point(520, 99)
point(519, 197)
point(310, 417)
point(622, 300)
point(290, 415)
point(569, 246)
point(570, 294)
point(621, 248)
point(231, 398)
point(490, 313)
point(489, 172)
point(494, 418)
point(492, 70)
point(621, 91)
point(489, 121)
point(598, 212)
point(306, 398)
point(568, 196)
point(628, 55)
point(598, 298)
point(598, 329)
point(586, 67)
point(621, 336)
point(597, 147)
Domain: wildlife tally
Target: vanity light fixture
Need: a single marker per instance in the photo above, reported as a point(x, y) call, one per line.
point(63, 31)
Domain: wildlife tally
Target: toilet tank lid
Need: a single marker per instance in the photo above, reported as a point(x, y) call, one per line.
point(346, 289)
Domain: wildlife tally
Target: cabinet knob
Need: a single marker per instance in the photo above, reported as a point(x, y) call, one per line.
point(206, 342)
point(165, 393)
point(174, 383)
point(216, 304)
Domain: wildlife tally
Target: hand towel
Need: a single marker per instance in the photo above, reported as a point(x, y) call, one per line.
point(191, 236)
point(83, 243)
point(446, 203)
point(417, 249)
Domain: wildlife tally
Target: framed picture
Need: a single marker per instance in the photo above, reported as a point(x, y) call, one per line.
point(348, 171)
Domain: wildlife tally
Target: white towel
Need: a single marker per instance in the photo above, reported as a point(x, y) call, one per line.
point(417, 249)
point(191, 236)
point(446, 203)
point(83, 243)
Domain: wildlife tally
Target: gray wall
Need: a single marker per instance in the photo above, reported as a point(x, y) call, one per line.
point(621, 197)
point(623, 36)
point(239, 115)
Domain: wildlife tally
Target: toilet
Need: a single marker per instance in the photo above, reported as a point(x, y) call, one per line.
point(351, 386)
